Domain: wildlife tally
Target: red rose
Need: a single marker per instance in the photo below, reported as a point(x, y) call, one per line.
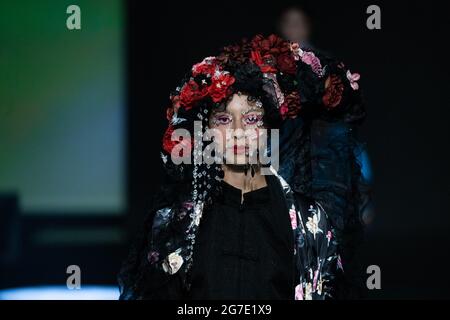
point(256, 57)
point(219, 88)
point(334, 89)
point(207, 66)
point(291, 105)
point(286, 63)
point(191, 93)
point(266, 51)
point(168, 144)
point(272, 45)
point(265, 63)
point(238, 53)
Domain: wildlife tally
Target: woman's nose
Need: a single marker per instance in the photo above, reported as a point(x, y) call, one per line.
point(238, 133)
point(237, 124)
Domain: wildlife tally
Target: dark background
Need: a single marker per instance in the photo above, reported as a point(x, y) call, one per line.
point(405, 80)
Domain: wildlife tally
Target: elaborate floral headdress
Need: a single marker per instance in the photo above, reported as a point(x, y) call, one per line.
point(289, 79)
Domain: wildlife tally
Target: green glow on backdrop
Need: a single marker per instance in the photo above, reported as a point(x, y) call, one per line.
point(62, 106)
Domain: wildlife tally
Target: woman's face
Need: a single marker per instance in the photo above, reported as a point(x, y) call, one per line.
point(239, 127)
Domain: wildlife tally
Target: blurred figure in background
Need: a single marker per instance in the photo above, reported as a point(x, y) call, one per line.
point(334, 145)
point(295, 24)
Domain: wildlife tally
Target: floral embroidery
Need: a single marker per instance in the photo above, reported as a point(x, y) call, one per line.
point(173, 262)
point(319, 286)
point(162, 217)
point(329, 237)
point(299, 292)
point(293, 216)
point(308, 291)
point(314, 273)
point(313, 223)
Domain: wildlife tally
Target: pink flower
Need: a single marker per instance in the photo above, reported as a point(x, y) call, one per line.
point(299, 292)
point(310, 58)
point(316, 274)
point(353, 77)
point(329, 236)
point(293, 216)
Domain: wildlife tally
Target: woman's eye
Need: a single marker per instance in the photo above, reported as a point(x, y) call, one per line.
point(252, 119)
point(222, 120)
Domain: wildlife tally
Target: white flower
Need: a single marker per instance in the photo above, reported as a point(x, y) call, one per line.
point(313, 223)
point(308, 291)
point(319, 287)
point(173, 262)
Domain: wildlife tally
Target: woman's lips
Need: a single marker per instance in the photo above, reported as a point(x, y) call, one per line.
point(239, 149)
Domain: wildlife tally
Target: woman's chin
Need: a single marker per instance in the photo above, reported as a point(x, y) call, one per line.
point(237, 159)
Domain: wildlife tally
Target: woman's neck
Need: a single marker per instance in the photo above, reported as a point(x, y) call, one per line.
point(245, 182)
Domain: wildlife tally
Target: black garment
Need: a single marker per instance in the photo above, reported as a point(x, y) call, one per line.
point(244, 250)
point(255, 261)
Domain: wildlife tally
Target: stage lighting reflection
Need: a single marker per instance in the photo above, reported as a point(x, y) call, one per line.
point(88, 292)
